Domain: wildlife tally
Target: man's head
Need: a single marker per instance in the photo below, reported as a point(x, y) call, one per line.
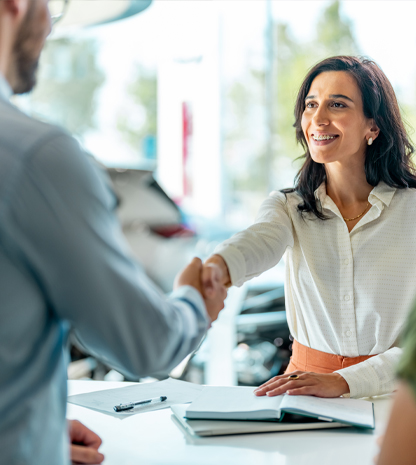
point(24, 26)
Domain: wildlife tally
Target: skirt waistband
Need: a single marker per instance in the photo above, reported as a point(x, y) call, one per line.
point(307, 359)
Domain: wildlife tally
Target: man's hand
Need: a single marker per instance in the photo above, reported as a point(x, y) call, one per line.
point(190, 275)
point(398, 445)
point(84, 443)
point(379, 442)
point(215, 293)
point(308, 384)
point(215, 269)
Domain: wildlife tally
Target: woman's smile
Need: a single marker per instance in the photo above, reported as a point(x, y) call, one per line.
point(320, 138)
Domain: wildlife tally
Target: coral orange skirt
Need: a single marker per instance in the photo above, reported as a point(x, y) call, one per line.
point(306, 359)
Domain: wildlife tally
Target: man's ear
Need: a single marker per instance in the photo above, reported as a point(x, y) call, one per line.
point(15, 7)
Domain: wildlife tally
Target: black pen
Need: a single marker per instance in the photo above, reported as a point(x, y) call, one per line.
point(131, 405)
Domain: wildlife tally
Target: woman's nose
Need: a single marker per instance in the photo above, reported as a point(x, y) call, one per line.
point(320, 118)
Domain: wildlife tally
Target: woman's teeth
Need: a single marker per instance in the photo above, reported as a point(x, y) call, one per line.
point(323, 137)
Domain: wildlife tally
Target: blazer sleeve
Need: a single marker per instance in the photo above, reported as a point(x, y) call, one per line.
point(63, 230)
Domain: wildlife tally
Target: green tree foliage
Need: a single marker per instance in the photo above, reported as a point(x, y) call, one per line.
point(334, 36)
point(68, 83)
point(143, 94)
point(244, 107)
point(335, 32)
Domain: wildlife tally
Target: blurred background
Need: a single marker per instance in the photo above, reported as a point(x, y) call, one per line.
point(189, 105)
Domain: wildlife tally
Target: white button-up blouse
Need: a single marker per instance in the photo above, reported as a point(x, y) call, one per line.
point(347, 293)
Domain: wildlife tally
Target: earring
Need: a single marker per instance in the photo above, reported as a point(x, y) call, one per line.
point(370, 141)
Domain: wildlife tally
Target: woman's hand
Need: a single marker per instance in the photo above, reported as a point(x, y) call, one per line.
point(308, 384)
point(84, 443)
point(214, 270)
point(213, 293)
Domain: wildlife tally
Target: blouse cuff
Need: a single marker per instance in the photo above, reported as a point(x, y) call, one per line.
point(235, 262)
point(363, 382)
point(373, 377)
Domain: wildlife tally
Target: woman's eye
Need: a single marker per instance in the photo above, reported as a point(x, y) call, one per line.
point(338, 105)
point(310, 105)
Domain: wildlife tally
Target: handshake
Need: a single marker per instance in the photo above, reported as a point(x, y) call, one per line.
point(211, 279)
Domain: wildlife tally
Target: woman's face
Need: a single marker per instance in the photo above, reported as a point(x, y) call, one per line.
point(333, 121)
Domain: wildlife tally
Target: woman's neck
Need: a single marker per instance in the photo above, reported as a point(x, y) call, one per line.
point(347, 186)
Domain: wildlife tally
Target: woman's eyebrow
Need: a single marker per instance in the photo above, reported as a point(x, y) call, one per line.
point(341, 96)
point(331, 96)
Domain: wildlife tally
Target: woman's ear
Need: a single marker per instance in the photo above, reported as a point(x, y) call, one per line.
point(374, 130)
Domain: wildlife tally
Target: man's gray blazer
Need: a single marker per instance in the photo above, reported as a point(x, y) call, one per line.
point(64, 264)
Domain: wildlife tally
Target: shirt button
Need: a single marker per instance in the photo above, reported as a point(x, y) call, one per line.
point(348, 333)
point(346, 261)
point(346, 297)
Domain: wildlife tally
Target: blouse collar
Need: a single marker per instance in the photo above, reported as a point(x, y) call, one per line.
point(381, 192)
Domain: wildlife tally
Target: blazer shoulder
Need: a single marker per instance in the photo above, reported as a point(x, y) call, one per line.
point(19, 132)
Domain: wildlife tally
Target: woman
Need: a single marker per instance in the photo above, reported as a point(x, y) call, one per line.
point(348, 231)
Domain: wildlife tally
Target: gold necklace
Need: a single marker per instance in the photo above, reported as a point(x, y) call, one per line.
point(356, 217)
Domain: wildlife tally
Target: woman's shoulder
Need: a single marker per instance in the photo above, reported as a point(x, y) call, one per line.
point(404, 200)
point(287, 196)
point(407, 190)
point(406, 193)
point(277, 203)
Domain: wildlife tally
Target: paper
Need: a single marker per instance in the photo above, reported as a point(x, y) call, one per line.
point(205, 428)
point(238, 403)
point(355, 411)
point(177, 392)
point(233, 403)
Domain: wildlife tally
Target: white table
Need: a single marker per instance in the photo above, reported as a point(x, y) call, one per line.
point(154, 438)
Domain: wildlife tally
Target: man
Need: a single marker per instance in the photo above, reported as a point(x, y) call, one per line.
point(64, 264)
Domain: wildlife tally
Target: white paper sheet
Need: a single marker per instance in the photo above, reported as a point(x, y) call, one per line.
point(235, 403)
point(240, 403)
point(177, 392)
point(206, 428)
point(358, 412)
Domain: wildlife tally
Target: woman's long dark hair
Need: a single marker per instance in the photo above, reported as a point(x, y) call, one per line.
point(388, 159)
